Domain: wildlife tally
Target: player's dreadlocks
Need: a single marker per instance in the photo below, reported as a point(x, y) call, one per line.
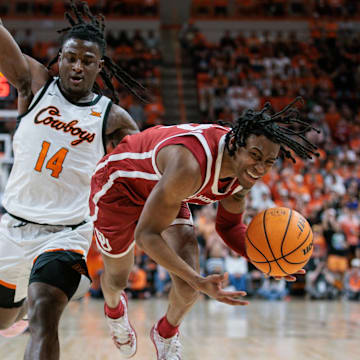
point(262, 123)
point(93, 30)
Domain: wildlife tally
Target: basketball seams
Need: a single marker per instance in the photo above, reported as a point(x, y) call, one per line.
point(268, 242)
point(283, 257)
point(285, 233)
point(262, 262)
point(294, 263)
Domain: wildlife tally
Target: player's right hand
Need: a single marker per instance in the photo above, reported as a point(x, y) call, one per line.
point(212, 286)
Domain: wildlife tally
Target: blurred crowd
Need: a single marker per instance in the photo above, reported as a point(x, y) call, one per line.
point(56, 8)
point(199, 8)
point(273, 8)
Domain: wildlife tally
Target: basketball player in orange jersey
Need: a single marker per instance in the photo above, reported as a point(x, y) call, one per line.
point(142, 188)
point(65, 124)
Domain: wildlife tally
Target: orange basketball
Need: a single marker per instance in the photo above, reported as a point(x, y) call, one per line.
point(279, 241)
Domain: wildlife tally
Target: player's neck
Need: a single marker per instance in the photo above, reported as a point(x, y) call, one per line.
point(77, 98)
point(226, 170)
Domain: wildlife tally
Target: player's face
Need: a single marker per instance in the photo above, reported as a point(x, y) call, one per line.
point(253, 161)
point(79, 64)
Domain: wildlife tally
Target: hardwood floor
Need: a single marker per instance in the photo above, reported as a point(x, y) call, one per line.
point(294, 330)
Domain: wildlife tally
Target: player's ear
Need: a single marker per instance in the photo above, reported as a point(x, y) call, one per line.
point(101, 65)
point(232, 140)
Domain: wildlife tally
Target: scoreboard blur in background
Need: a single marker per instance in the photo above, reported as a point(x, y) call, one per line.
point(7, 92)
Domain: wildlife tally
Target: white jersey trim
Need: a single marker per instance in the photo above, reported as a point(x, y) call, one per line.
point(215, 185)
point(123, 156)
point(183, 221)
point(117, 255)
point(237, 189)
point(137, 175)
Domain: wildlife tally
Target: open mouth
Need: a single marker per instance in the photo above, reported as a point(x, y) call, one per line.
point(76, 79)
point(252, 176)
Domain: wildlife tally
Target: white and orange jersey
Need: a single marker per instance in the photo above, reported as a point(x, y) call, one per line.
point(130, 171)
point(56, 148)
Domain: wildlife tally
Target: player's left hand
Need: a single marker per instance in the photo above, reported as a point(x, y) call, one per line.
point(291, 278)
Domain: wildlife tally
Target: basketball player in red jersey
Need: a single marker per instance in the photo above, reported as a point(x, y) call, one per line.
point(143, 187)
point(64, 126)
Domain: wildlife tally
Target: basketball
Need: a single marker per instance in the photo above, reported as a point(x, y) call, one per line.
point(279, 241)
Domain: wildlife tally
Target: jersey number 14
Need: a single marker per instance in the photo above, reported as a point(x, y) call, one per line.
point(54, 163)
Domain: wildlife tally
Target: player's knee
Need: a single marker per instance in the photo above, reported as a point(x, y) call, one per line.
point(39, 308)
point(9, 310)
point(116, 281)
point(43, 312)
point(5, 323)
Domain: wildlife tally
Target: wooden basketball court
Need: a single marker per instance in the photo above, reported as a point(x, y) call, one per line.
point(294, 330)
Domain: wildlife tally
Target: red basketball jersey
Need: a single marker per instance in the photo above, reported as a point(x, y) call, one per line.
point(129, 173)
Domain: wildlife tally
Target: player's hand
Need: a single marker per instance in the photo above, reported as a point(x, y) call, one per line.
point(291, 278)
point(212, 286)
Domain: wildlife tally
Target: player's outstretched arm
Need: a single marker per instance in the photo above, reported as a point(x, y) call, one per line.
point(39, 74)
point(181, 178)
point(13, 64)
point(23, 72)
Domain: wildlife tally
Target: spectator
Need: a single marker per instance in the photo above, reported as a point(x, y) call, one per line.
point(352, 281)
point(138, 283)
point(272, 289)
point(319, 282)
point(237, 267)
point(162, 281)
point(337, 261)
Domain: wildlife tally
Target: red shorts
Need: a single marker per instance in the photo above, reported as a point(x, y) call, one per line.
point(114, 234)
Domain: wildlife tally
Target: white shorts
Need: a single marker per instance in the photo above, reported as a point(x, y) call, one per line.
point(21, 243)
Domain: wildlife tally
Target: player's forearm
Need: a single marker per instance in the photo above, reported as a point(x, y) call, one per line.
point(231, 229)
point(13, 64)
point(156, 247)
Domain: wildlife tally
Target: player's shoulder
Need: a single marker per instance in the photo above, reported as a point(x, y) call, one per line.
point(203, 127)
point(195, 128)
point(116, 111)
point(119, 118)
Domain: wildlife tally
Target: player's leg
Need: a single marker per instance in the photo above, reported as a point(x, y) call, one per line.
point(114, 235)
point(14, 276)
point(182, 296)
point(11, 313)
point(114, 277)
point(46, 304)
point(117, 250)
point(113, 282)
point(54, 279)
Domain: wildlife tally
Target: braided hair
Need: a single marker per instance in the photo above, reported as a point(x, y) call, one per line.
point(93, 30)
point(276, 128)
